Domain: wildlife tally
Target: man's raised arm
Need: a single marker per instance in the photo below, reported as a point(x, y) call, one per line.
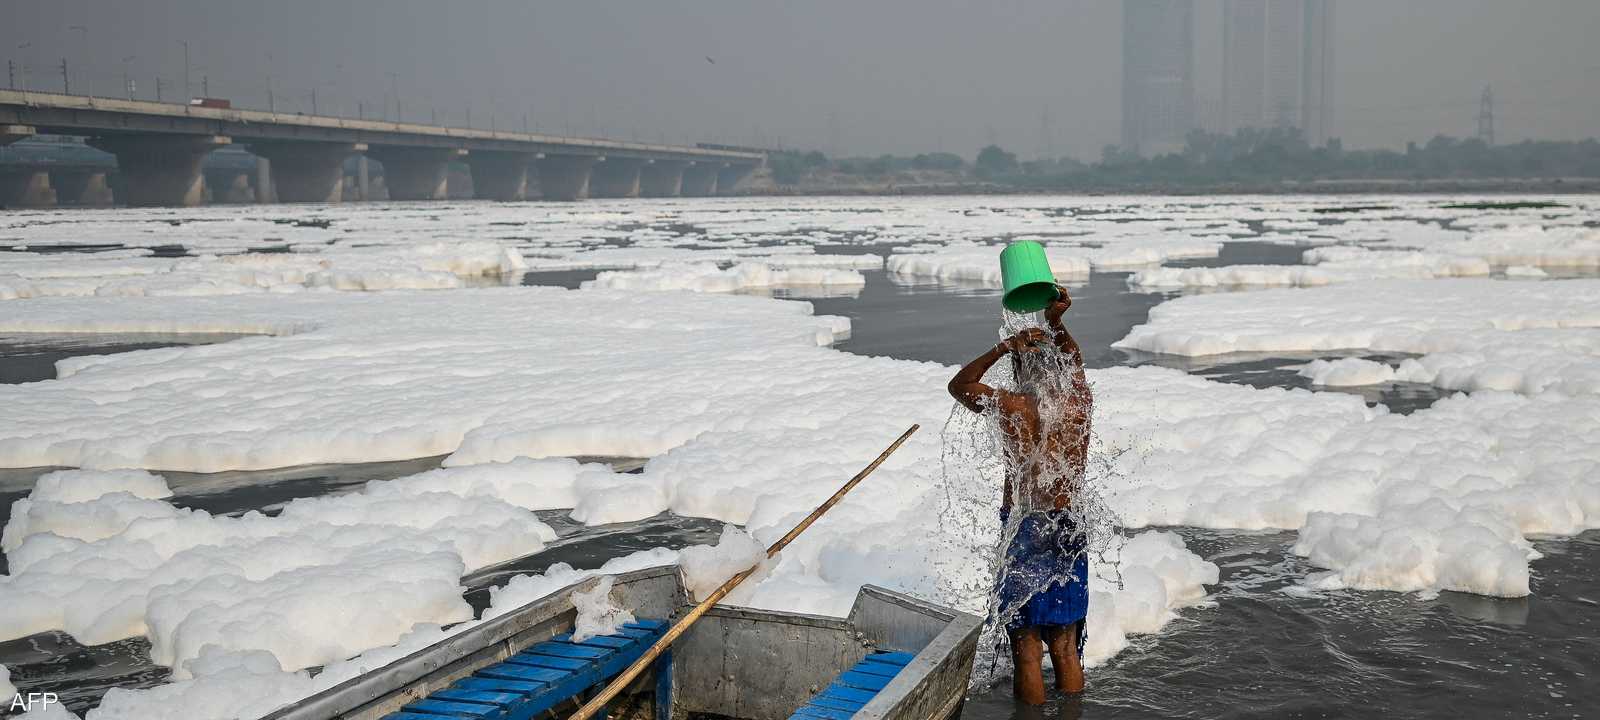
point(967, 386)
point(1052, 318)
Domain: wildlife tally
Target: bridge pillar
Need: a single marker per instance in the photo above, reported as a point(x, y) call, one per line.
point(12, 133)
point(565, 177)
point(97, 191)
point(363, 179)
point(700, 179)
point(417, 173)
point(28, 187)
point(82, 187)
point(662, 178)
point(616, 178)
point(500, 176)
point(160, 170)
point(729, 177)
point(264, 193)
point(307, 171)
point(229, 185)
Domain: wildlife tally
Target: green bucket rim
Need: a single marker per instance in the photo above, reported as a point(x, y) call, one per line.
point(1029, 281)
point(1032, 297)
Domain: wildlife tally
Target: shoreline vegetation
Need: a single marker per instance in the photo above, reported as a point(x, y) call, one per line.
point(1490, 186)
point(1275, 161)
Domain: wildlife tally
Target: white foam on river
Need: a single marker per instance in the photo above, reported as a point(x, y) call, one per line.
point(357, 377)
point(105, 561)
point(434, 266)
point(743, 277)
point(597, 614)
point(1070, 259)
point(976, 264)
point(1440, 499)
point(746, 414)
point(748, 417)
point(1471, 334)
point(1324, 266)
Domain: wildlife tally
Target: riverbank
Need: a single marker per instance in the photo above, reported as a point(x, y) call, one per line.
point(762, 185)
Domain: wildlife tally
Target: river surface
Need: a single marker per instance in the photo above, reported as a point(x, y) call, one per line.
point(1258, 649)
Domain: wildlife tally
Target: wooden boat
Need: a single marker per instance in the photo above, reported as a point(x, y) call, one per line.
point(894, 658)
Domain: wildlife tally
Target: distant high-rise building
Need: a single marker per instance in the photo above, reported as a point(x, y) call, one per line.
point(1285, 20)
point(1316, 105)
point(1157, 74)
point(1277, 60)
point(1244, 68)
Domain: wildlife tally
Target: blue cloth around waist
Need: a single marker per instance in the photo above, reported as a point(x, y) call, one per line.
point(1044, 578)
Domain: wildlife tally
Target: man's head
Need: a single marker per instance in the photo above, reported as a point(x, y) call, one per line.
point(1028, 358)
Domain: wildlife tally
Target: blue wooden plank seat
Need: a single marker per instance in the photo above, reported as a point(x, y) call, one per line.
point(854, 687)
point(545, 675)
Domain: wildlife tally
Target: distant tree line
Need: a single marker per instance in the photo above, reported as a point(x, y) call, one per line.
point(789, 167)
point(1278, 154)
point(792, 167)
point(1247, 156)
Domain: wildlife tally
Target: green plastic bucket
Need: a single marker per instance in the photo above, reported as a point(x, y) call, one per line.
point(1025, 272)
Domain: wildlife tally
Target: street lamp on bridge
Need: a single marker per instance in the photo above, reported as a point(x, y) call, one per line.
point(11, 68)
point(127, 80)
point(394, 89)
point(188, 89)
point(88, 54)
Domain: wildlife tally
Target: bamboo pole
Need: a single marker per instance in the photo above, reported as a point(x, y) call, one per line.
point(598, 702)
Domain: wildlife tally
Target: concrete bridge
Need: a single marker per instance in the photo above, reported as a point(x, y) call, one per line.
point(160, 147)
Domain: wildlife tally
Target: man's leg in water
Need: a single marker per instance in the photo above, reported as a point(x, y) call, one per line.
point(1027, 665)
point(1063, 642)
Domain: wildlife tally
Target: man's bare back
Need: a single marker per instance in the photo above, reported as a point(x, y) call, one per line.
point(1045, 423)
point(1050, 447)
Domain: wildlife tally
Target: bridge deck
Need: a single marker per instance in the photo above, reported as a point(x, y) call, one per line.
point(80, 115)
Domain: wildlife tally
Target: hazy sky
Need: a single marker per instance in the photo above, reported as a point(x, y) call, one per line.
point(852, 76)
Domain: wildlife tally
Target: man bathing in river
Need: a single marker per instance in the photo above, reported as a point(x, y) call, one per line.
point(1044, 426)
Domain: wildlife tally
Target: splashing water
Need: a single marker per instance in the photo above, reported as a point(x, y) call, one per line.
point(1050, 476)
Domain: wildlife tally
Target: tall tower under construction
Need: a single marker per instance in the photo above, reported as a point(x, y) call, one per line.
point(1486, 116)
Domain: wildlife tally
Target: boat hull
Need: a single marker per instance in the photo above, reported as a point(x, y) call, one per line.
point(735, 662)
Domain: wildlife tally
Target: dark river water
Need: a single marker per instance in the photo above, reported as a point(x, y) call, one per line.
point(1259, 652)
point(25, 358)
point(1256, 652)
